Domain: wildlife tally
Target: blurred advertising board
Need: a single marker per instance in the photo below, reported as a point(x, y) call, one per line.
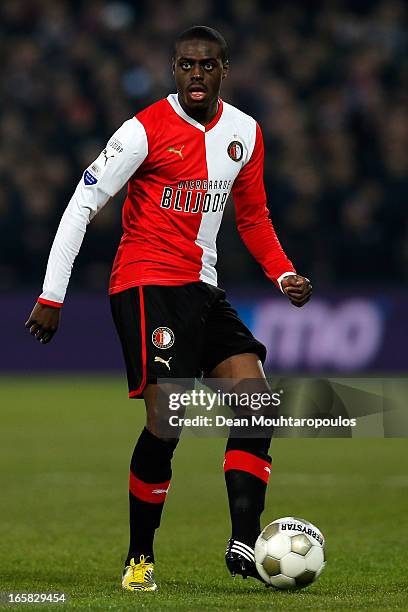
point(337, 332)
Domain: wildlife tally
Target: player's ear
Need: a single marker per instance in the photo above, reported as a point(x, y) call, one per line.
point(173, 65)
point(225, 68)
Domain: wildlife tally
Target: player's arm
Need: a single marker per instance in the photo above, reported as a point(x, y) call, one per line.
point(256, 229)
point(124, 153)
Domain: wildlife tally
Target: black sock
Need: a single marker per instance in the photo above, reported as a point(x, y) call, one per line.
point(247, 467)
point(150, 474)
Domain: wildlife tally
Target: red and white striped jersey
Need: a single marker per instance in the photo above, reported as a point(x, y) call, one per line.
point(180, 174)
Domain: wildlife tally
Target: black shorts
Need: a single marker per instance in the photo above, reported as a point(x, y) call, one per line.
point(177, 332)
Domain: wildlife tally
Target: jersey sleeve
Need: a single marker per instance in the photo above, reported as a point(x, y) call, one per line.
point(124, 153)
point(252, 215)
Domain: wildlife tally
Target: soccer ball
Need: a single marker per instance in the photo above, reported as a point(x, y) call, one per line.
point(289, 553)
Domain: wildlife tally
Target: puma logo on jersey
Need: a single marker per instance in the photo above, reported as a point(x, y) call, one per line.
point(106, 156)
point(165, 361)
point(177, 151)
point(267, 469)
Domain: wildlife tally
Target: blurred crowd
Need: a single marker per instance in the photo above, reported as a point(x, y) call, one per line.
point(328, 82)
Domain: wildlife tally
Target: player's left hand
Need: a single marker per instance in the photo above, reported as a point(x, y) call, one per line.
point(298, 289)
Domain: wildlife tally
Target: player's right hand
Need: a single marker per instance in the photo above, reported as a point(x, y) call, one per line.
point(43, 322)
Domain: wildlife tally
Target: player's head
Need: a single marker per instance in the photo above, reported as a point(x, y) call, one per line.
point(200, 63)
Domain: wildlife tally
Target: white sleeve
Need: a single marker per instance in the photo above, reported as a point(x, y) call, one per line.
point(124, 153)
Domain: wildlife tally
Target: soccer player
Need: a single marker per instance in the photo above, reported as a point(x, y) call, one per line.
point(181, 158)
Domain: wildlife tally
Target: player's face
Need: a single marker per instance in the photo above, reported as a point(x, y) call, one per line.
point(198, 70)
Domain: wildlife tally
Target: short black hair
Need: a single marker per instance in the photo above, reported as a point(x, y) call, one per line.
point(204, 33)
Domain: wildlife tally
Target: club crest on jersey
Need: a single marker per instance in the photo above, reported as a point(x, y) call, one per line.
point(235, 150)
point(163, 338)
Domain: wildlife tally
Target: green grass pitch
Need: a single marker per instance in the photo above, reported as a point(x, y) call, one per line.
point(65, 445)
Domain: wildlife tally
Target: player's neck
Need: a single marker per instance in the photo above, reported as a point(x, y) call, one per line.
point(203, 116)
